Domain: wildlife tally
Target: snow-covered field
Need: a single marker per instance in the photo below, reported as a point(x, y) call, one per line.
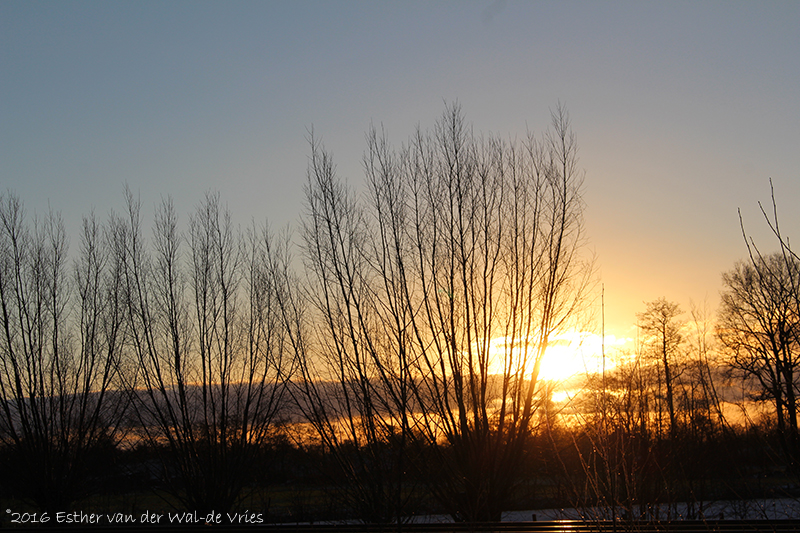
point(766, 509)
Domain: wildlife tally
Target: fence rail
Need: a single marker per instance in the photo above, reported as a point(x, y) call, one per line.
point(559, 526)
point(555, 526)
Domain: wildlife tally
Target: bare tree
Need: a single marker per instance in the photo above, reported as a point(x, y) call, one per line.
point(61, 346)
point(704, 367)
point(758, 325)
point(208, 347)
point(495, 234)
point(352, 390)
point(663, 339)
point(439, 293)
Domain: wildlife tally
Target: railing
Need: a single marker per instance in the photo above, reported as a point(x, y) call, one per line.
point(555, 526)
point(560, 526)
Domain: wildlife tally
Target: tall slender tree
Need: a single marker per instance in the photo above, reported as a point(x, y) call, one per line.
point(663, 340)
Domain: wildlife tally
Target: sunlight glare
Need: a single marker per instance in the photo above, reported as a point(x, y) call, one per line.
point(570, 354)
point(577, 352)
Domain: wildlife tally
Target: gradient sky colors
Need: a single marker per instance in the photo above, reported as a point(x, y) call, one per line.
point(683, 110)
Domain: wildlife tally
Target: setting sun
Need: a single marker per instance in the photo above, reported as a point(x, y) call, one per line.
point(567, 355)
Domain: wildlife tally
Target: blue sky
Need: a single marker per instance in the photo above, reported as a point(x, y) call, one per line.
point(683, 110)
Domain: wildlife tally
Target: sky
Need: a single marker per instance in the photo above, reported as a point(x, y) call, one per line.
point(683, 111)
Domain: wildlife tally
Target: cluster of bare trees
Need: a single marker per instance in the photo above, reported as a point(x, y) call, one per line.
point(654, 429)
point(409, 341)
point(456, 243)
point(62, 336)
point(402, 347)
point(176, 342)
point(648, 425)
point(418, 321)
point(207, 345)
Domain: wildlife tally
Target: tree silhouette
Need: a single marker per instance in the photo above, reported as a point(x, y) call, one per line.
point(436, 296)
point(662, 338)
point(758, 325)
point(61, 342)
point(207, 344)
